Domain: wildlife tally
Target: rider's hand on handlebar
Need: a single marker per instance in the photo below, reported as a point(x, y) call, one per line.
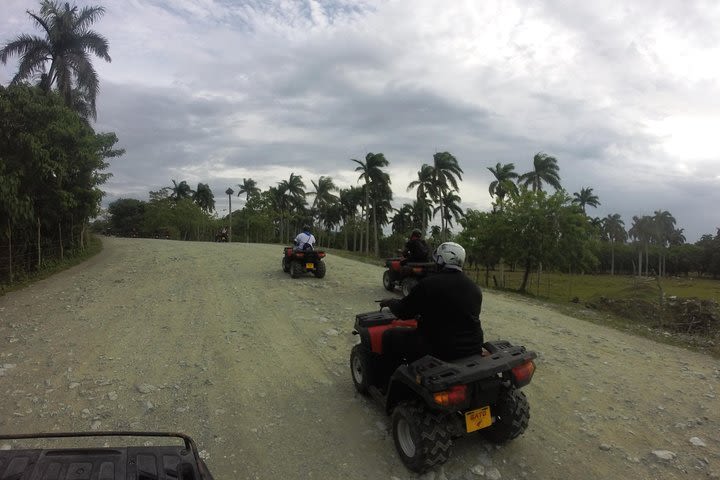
point(386, 302)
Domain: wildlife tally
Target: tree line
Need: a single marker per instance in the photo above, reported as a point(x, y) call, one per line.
point(51, 159)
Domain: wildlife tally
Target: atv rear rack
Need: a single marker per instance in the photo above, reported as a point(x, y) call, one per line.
point(437, 375)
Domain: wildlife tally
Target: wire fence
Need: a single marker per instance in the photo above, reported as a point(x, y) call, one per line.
point(21, 259)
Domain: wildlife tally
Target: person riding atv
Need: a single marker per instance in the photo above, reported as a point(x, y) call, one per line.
point(304, 240)
point(431, 371)
point(447, 306)
point(416, 250)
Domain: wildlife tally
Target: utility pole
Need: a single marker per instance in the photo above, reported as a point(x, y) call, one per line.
point(229, 193)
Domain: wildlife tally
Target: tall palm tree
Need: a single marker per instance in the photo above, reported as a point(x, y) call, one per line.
point(323, 192)
point(249, 188)
point(614, 229)
point(446, 173)
point(293, 192)
point(204, 197)
point(664, 227)
point(642, 231)
point(180, 190)
point(424, 194)
point(503, 183)
point(545, 169)
point(403, 219)
point(422, 214)
point(371, 172)
point(350, 199)
point(67, 45)
point(450, 209)
point(586, 197)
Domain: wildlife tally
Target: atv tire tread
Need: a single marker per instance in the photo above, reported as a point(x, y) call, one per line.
point(295, 269)
point(408, 284)
point(320, 269)
point(512, 416)
point(432, 438)
point(361, 354)
point(387, 281)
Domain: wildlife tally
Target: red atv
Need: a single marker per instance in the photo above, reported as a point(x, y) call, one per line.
point(405, 274)
point(297, 262)
point(433, 401)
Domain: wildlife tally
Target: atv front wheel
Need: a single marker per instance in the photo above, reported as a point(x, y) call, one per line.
point(407, 285)
point(320, 269)
point(360, 368)
point(295, 269)
point(512, 415)
point(421, 436)
point(387, 281)
point(285, 265)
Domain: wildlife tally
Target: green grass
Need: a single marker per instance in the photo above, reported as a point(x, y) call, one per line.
point(636, 301)
point(52, 267)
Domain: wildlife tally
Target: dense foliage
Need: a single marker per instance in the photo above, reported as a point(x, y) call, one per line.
point(51, 164)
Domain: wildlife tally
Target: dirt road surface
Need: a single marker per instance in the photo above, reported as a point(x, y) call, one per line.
point(216, 341)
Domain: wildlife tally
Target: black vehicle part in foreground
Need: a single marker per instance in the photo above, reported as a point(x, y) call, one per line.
point(298, 262)
point(433, 401)
point(179, 462)
point(405, 274)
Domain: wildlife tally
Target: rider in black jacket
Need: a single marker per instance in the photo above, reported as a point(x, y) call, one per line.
point(447, 307)
point(416, 250)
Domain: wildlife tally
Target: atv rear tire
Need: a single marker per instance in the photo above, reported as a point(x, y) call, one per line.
point(408, 284)
point(387, 281)
point(360, 368)
point(422, 438)
point(295, 269)
point(512, 414)
point(320, 269)
point(285, 264)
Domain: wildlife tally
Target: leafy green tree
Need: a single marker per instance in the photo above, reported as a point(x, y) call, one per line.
point(483, 236)
point(66, 45)
point(180, 190)
point(585, 198)
point(545, 169)
point(503, 184)
point(127, 215)
point(204, 198)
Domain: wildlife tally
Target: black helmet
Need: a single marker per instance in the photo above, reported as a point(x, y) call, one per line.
point(306, 228)
point(416, 233)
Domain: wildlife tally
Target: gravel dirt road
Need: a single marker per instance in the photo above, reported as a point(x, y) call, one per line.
point(216, 341)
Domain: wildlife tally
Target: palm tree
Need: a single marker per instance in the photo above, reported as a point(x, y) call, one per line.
point(545, 169)
point(350, 199)
point(422, 214)
point(374, 177)
point(293, 191)
point(586, 197)
point(67, 45)
point(204, 197)
point(642, 231)
point(503, 183)
point(424, 194)
point(450, 209)
point(249, 188)
point(446, 173)
point(180, 190)
point(664, 227)
point(403, 219)
point(323, 192)
point(614, 229)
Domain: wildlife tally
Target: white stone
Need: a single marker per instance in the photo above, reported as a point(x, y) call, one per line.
point(664, 454)
point(697, 442)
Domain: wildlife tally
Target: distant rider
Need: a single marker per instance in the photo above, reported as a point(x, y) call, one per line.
point(447, 308)
point(305, 240)
point(416, 250)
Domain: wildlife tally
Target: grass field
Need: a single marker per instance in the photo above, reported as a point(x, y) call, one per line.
point(562, 288)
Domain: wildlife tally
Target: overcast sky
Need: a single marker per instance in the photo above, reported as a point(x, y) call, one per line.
point(626, 95)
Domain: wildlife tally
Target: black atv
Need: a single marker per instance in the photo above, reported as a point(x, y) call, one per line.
point(432, 401)
point(297, 262)
point(180, 460)
point(405, 274)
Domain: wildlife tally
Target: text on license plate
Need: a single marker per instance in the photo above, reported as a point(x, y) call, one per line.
point(309, 265)
point(477, 419)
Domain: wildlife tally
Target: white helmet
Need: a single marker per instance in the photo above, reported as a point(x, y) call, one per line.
point(450, 255)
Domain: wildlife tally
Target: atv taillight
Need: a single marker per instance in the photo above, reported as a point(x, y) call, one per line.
point(321, 254)
point(453, 396)
point(523, 373)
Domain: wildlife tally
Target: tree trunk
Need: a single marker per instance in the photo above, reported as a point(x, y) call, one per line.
point(375, 230)
point(10, 255)
point(639, 270)
point(61, 241)
point(39, 250)
point(525, 276)
point(612, 258)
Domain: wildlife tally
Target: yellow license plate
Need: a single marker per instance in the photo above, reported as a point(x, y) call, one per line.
point(309, 266)
point(477, 419)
